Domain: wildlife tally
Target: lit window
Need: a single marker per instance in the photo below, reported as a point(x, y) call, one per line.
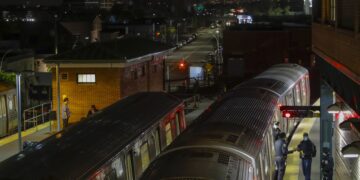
point(145, 159)
point(86, 78)
point(168, 133)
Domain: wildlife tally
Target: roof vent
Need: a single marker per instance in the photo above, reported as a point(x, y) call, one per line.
point(232, 138)
point(223, 158)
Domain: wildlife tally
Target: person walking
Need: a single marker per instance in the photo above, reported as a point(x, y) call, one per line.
point(281, 152)
point(65, 113)
point(307, 151)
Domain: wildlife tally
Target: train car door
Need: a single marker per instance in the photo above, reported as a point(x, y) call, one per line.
point(3, 116)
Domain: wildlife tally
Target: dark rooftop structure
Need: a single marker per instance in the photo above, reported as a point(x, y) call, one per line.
point(119, 51)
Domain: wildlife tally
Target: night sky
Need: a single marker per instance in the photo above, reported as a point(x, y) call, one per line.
point(31, 2)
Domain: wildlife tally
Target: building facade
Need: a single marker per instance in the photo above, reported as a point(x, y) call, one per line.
point(336, 44)
point(90, 79)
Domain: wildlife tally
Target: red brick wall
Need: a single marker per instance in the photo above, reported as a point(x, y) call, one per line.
point(104, 92)
point(149, 81)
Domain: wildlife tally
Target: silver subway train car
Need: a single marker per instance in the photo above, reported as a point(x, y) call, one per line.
point(233, 139)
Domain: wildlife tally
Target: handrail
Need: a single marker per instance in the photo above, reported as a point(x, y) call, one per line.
point(35, 115)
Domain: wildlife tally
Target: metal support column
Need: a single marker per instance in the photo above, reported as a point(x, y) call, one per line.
point(58, 97)
point(19, 116)
point(326, 119)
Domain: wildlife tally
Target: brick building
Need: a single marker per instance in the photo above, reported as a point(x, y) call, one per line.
point(104, 72)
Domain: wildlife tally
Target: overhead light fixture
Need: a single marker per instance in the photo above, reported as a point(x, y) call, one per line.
point(337, 108)
point(351, 150)
point(346, 125)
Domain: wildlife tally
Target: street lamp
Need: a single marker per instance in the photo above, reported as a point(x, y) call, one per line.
point(337, 108)
point(351, 150)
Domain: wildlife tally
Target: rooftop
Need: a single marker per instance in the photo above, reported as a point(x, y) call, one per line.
point(117, 51)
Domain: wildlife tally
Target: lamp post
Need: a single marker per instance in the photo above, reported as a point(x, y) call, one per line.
point(217, 61)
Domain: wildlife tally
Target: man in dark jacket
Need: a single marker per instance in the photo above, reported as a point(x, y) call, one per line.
point(281, 152)
point(307, 151)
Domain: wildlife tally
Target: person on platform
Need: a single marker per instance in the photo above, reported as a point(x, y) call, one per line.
point(327, 164)
point(65, 113)
point(281, 152)
point(92, 110)
point(276, 130)
point(307, 151)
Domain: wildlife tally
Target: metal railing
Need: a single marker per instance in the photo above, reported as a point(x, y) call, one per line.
point(37, 114)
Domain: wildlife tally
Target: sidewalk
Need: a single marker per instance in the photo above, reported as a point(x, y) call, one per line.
point(9, 146)
point(294, 167)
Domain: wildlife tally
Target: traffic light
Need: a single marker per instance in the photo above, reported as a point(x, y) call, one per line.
point(182, 65)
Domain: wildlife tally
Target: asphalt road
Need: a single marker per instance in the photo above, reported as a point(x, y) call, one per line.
point(194, 53)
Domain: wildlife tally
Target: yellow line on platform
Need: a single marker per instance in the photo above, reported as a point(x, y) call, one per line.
point(25, 133)
point(293, 160)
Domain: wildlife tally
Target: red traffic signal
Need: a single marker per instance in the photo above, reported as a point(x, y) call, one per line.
point(296, 113)
point(182, 65)
point(286, 114)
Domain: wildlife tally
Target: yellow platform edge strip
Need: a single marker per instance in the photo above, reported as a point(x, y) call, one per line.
point(25, 133)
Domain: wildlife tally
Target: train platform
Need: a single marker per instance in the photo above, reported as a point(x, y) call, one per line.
point(9, 145)
point(198, 109)
point(293, 163)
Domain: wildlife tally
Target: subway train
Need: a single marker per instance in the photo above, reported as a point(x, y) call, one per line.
point(233, 139)
point(8, 110)
point(118, 142)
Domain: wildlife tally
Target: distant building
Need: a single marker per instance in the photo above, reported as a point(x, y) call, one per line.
point(103, 72)
point(250, 49)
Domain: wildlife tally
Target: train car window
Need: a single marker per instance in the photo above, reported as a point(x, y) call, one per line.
point(15, 102)
point(117, 171)
point(2, 107)
point(157, 142)
point(261, 165)
point(177, 118)
point(297, 93)
point(303, 92)
point(10, 103)
point(168, 133)
point(145, 159)
point(129, 166)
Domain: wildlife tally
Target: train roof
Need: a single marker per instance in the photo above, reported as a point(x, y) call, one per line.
point(249, 115)
point(81, 149)
point(277, 79)
point(199, 164)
